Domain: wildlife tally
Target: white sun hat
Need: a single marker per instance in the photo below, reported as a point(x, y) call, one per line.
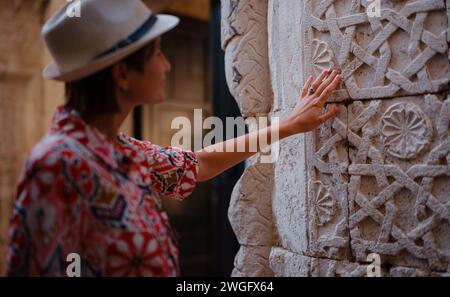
point(105, 32)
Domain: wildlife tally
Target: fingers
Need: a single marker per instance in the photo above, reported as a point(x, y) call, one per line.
point(331, 112)
point(318, 80)
point(326, 83)
point(307, 86)
point(329, 89)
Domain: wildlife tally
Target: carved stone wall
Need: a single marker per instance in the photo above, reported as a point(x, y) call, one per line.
point(244, 39)
point(376, 179)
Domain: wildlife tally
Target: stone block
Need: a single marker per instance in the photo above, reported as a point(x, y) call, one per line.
point(252, 261)
point(288, 264)
point(398, 193)
point(404, 51)
point(250, 210)
point(244, 39)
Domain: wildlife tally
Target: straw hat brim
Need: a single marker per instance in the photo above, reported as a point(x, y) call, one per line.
point(163, 24)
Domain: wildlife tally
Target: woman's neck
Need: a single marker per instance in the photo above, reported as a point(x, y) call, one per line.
point(109, 124)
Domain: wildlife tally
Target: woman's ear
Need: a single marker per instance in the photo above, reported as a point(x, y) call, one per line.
point(121, 76)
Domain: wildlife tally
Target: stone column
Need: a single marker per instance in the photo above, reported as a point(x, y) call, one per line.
point(244, 39)
point(374, 182)
point(21, 98)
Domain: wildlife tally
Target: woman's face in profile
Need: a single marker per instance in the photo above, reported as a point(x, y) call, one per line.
point(148, 87)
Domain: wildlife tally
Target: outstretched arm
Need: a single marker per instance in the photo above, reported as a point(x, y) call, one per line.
point(306, 116)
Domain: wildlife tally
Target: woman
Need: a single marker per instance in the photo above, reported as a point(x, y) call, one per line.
point(91, 191)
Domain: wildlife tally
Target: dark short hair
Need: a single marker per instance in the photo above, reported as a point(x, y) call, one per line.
point(95, 94)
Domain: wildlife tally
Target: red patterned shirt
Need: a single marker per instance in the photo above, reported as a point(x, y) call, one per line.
point(82, 193)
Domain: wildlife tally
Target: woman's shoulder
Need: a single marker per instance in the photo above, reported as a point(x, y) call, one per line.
point(52, 149)
point(49, 165)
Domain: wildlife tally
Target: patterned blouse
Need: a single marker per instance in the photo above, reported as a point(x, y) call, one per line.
point(82, 193)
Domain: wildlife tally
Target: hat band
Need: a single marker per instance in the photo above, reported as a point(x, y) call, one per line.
point(138, 34)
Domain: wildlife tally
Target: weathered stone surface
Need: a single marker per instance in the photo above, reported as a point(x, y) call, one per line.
point(286, 49)
point(415, 272)
point(250, 211)
point(407, 272)
point(244, 39)
point(288, 264)
point(400, 181)
point(250, 215)
point(288, 203)
point(290, 176)
point(331, 268)
point(252, 261)
point(448, 24)
point(402, 52)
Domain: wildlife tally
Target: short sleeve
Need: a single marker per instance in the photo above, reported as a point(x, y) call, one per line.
point(174, 171)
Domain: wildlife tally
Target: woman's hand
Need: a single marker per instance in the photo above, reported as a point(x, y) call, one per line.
point(308, 113)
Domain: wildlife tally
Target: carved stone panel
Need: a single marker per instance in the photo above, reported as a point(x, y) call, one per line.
point(327, 163)
point(402, 52)
point(244, 39)
point(399, 185)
